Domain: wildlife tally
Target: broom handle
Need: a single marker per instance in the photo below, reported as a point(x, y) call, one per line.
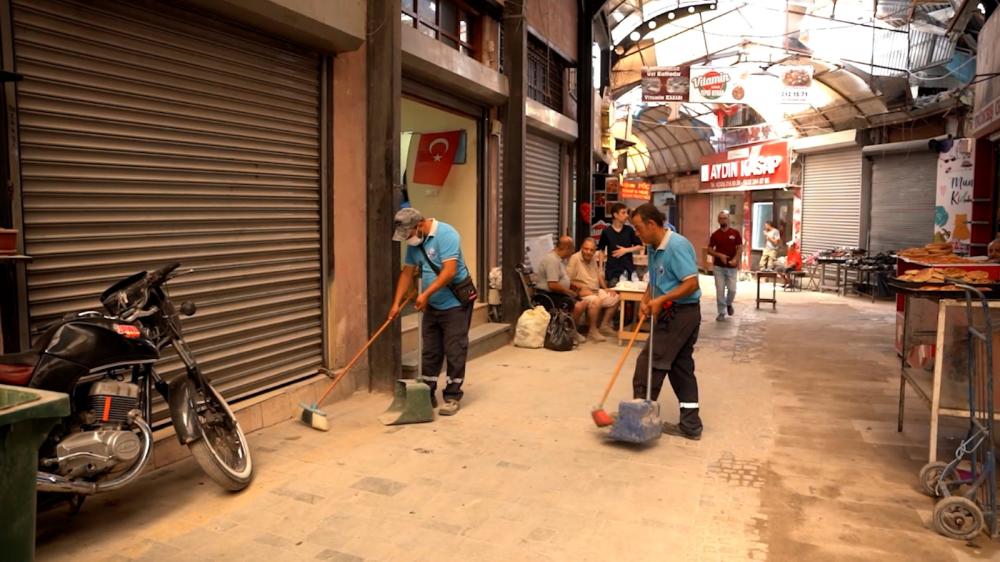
point(344, 371)
point(621, 361)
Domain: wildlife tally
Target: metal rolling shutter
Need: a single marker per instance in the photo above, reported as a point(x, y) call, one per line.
point(903, 200)
point(831, 200)
point(541, 186)
point(150, 135)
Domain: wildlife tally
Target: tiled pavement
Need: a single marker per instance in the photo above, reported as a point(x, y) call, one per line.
point(800, 461)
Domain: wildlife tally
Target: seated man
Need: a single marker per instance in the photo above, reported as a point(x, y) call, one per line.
point(601, 301)
point(793, 262)
point(553, 281)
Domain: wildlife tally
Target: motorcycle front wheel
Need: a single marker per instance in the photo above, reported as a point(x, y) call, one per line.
point(223, 452)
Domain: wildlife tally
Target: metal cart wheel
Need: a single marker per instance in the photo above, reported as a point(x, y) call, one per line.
point(930, 476)
point(958, 518)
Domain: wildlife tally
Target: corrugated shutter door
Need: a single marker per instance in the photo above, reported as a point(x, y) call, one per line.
point(541, 186)
point(831, 200)
point(150, 135)
point(903, 200)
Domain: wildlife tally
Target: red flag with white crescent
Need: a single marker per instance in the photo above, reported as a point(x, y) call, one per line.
point(435, 155)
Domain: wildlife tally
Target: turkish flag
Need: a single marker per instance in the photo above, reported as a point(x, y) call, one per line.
point(435, 155)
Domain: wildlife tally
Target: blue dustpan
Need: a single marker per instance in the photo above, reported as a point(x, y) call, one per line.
point(638, 420)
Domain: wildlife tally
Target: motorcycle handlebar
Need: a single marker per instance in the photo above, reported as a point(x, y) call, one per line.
point(158, 276)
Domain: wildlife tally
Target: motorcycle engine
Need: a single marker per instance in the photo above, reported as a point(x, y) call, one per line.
point(111, 443)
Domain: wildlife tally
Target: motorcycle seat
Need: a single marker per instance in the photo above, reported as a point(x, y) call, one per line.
point(16, 368)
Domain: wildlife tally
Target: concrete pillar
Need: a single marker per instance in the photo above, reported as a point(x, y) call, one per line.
point(349, 317)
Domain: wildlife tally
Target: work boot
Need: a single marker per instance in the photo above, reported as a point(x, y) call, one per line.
point(676, 431)
point(449, 408)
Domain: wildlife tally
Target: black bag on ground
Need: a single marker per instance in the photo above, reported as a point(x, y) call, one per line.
point(561, 333)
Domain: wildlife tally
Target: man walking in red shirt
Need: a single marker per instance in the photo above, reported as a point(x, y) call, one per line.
point(725, 246)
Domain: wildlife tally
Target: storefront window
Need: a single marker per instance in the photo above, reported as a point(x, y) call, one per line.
point(761, 212)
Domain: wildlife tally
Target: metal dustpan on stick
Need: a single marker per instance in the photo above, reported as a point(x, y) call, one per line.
point(411, 399)
point(638, 420)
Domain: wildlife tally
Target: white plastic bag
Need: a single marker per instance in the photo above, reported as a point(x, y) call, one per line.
point(531, 328)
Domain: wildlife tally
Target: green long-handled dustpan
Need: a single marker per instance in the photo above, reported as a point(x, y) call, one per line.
point(411, 403)
point(411, 399)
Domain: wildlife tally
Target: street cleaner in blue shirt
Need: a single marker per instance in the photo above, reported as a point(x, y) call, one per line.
point(672, 298)
point(434, 249)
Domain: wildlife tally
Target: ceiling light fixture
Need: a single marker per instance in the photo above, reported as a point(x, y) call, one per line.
point(691, 9)
point(619, 50)
point(652, 24)
point(671, 15)
point(634, 36)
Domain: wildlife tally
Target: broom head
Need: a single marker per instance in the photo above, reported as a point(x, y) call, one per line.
point(314, 417)
point(601, 418)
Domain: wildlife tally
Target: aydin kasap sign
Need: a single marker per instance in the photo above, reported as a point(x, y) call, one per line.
point(762, 166)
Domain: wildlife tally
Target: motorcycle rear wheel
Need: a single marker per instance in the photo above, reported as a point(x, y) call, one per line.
point(223, 452)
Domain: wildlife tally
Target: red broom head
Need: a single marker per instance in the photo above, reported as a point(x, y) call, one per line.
point(601, 418)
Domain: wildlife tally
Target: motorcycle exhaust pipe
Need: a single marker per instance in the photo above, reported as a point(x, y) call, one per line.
point(46, 482)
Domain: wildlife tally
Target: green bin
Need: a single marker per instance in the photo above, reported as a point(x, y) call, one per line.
point(26, 417)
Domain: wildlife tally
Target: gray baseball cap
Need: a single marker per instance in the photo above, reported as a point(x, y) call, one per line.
point(405, 221)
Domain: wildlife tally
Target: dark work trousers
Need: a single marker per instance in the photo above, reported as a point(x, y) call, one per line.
point(673, 356)
point(446, 336)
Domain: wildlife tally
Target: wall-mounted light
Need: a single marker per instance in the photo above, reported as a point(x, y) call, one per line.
point(634, 36)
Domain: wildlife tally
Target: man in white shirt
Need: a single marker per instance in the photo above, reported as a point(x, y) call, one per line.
point(772, 239)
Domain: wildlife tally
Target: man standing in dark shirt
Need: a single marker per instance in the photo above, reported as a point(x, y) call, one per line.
point(725, 246)
point(619, 242)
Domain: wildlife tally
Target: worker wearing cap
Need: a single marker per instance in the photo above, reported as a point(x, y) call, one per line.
point(446, 321)
point(673, 278)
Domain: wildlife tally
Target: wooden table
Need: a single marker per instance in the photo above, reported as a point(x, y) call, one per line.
point(773, 277)
point(623, 333)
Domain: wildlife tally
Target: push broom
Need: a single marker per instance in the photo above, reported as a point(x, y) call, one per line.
point(601, 417)
point(312, 415)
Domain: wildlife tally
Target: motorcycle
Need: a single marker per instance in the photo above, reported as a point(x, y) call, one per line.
point(104, 360)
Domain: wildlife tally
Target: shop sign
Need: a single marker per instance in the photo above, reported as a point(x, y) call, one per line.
point(665, 83)
point(954, 195)
point(717, 84)
point(760, 166)
point(796, 82)
point(986, 118)
point(635, 189)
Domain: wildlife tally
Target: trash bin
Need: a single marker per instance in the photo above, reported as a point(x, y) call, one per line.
point(26, 416)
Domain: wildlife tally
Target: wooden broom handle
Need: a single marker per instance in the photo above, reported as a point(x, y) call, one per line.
point(357, 356)
point(618, 368)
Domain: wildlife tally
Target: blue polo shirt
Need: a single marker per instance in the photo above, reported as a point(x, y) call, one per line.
point(442, 244)
point(670, 264)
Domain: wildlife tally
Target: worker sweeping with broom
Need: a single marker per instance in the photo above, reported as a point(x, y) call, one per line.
point(673, 279)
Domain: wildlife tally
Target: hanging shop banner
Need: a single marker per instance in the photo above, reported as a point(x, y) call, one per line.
point(435, 155)
point(796, 82)
point(954, 195)
point(718, 84)
point(762, 166)
point(665, 83)
point(634, 189)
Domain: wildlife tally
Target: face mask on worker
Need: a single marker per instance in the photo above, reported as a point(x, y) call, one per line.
point(415, 240)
